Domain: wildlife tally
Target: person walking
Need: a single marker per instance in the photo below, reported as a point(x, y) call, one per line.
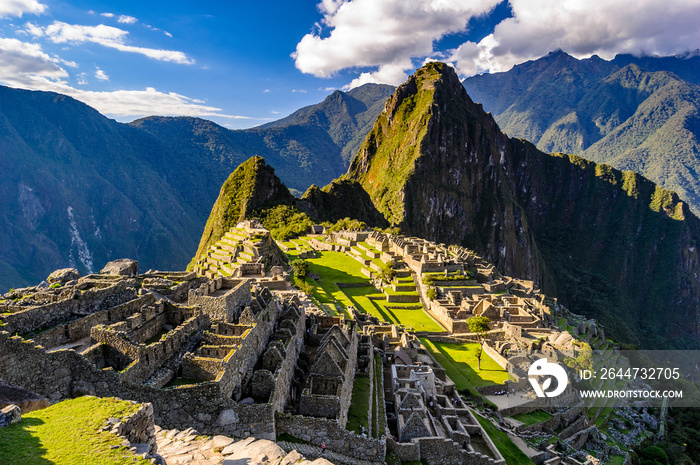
point(323, 447)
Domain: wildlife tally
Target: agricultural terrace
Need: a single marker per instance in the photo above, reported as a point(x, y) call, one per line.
point(461, 365)
point(338, 267)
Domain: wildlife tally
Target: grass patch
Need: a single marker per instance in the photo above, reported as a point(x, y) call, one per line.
point(532, 418)
point(68, 433)
point(460, 362)
point(510, 452)
point(409, 315)
point(359, 406)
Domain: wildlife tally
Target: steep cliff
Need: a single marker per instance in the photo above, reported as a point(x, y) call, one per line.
point(342, 198)
point(609, 244)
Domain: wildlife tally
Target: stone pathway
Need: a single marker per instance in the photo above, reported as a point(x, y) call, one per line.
point(187, 447)
point(309, 450)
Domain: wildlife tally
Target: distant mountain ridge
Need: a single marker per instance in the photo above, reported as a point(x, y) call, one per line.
point(79, 189)
point(634, 113)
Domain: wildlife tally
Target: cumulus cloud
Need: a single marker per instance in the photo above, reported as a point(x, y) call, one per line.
point(583, 28)
point(26, 65)
point(124, 19)
point(59, 32)
point(107, 15)
point(381, 33)
point(386, 36)
point(101, 75)
point(19, 7)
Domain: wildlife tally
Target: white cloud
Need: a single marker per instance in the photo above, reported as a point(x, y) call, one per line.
point(22, 63)
point(274, 112)
point(584, 28)
point(124, 19)
point(298, 91)
point(266, 91)
point(382, 33)
point(27, 66)
point(101, 75)
point(387, 35)
point(107, 15)
point(59, 32)
point(19, 7)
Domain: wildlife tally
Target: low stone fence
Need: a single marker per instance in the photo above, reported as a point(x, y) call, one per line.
point(138, 428)
point(321, 430)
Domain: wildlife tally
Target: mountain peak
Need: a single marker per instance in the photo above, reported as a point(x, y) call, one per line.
point(251, 186)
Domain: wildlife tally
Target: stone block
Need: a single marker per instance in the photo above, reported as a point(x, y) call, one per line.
point(121, 267)
point(63, 275)
point(10, 415)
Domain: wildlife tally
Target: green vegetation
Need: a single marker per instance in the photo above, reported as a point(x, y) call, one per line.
point(285, 222)
point(347, 224)
point(460, 362)
point(251, 187)
point(394, 147)
point(68, 433)
point(510, 452)
point(359, 406)
point(538, 416)
point(300, 268)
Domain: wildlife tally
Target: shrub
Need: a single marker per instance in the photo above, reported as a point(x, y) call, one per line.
point(300, 268)
point(431, 293)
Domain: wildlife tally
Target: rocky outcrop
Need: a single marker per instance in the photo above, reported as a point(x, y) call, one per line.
point(26, 400)
point(121, 267)
point(610, 244)
point(63, 276)
point(343, 198)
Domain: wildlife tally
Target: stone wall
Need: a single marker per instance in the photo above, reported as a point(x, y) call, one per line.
point(222, 307)
point(138, 428)
point(80, 303)
point(80, 328)
point(441, 451)
point(200, 406)
point(321, 430)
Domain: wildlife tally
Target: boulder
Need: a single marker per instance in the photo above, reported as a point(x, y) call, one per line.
point(9, 415)
point(121, 267)
point(26, 400)
point(63, 276)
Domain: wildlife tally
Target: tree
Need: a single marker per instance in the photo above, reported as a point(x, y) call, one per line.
point(480, 326)
point(300, 268)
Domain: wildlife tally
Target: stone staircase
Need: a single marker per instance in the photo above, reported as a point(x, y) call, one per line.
point(226, 255)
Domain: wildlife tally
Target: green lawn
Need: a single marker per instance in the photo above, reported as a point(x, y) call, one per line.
point(68, 433)
point(538, 416)
point(459, 360)
point(410, 315)
point(359, 406)
point(509, 451)
point(337, 267)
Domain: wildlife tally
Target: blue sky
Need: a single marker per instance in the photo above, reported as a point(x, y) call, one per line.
point(241, 64)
